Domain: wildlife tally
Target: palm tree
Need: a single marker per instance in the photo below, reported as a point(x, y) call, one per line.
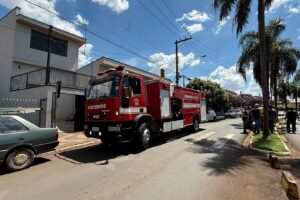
point(242, 12)
point(284, 90)
point(297, 76)
point(295, 92)
point(281, 57)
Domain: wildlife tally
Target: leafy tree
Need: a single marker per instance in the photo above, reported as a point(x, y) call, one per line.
point(242, 11)
point(216, 96)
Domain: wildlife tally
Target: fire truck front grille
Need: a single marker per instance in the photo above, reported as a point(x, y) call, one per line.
point(97, 116)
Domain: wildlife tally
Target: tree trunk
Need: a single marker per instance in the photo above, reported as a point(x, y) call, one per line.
point(263, 66)
point(296, 103)
point(275, 93)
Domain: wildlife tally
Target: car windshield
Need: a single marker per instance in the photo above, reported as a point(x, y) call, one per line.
point(106, 86)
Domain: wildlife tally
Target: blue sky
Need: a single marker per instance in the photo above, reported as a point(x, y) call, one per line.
point(150, 28)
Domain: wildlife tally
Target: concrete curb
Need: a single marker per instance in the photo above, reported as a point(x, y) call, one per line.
point(289, 184)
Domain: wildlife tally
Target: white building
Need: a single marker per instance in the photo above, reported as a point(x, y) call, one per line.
point(105, 63)
point(23, 61)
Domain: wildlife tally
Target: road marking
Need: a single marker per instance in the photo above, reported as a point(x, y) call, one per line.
point(222, 141)
point(201, 137)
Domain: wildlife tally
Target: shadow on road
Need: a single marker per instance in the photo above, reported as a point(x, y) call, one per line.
point(101, 155)
point(37, 161)
point(230, 156)
point(237, 126)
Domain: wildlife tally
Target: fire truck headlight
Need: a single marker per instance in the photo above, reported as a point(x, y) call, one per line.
point(117, 113)
point(114, 129)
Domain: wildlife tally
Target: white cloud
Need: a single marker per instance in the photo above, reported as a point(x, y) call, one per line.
point(167, 62)
point(39, 14)
point(277, 4)
point(195, 16)
point(84, 56)
point(117, 6)
point(295, 10)
point(253, 87)
point(80, 20)
point(220, 25)
point(194, 28)
point(228, 78)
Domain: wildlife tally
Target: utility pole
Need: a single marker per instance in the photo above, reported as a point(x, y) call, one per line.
point(177, 60)
point(48, 56)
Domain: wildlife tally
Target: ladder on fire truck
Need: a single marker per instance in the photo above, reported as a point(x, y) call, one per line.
point(17, 110)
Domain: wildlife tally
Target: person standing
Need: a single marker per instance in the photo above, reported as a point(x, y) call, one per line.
point(291, 117)
point(256, 117)
point(245, 118)
point(272, 118)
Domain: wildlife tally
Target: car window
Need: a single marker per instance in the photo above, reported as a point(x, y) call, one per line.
point(9, 124)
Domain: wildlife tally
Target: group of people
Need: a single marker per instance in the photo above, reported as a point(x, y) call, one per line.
point(253, 119)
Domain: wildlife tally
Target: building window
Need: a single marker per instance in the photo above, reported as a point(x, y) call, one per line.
point(39, 41)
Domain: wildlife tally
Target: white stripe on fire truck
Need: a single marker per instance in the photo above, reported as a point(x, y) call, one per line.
point(191, 105)
point(132, 110)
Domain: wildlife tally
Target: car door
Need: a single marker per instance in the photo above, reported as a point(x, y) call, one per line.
point(12, 133)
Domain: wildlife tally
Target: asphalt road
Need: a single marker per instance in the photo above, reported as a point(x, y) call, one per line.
point(206, 165)
point(294, 138)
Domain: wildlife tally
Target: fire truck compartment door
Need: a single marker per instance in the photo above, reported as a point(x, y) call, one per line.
point(203, 110)
point(165, 103)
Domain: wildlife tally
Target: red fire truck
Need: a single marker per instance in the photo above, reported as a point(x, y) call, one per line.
point(122, 107)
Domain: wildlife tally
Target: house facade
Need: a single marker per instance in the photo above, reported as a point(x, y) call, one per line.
point(27, 49)
point(105, 63)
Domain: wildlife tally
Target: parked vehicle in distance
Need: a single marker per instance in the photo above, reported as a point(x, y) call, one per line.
point(21, 141)
point(281, 113)
point(211, 115)
point(238, 113)
point(233, 113)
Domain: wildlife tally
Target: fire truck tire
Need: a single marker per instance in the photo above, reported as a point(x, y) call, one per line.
point(195, 125)
point(143, 137)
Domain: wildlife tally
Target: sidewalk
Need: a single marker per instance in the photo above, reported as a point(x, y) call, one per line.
point(73, 140)
point(292, 163)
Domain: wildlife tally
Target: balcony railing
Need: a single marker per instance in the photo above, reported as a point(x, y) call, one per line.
point(37, 78)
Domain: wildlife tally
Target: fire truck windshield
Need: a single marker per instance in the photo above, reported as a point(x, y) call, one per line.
point(106, 86)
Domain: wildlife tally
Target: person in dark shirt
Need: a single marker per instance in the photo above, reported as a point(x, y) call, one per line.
point(291, 117)
point(245, 118)
point(256, 117)
point(272, 118)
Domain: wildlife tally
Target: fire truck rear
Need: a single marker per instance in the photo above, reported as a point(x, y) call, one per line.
point(121, 107)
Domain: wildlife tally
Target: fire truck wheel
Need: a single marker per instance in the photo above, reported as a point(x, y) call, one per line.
point(195, 125)
point(144, 136)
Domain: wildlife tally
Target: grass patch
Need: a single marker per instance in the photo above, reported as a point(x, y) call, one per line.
point(273, 143)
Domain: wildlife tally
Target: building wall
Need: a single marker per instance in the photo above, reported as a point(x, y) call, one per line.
point(65, 106)
point(23, 52)
point(6, 50)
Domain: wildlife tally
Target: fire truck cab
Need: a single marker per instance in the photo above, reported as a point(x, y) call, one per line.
point(121, 107)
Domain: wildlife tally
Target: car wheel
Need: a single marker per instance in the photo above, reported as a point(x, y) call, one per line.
point(143, 137)
point(19, 159)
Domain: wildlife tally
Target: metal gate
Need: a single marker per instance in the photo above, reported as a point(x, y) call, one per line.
point(34, 117)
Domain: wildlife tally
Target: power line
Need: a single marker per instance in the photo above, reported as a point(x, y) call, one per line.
point(160, 21)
